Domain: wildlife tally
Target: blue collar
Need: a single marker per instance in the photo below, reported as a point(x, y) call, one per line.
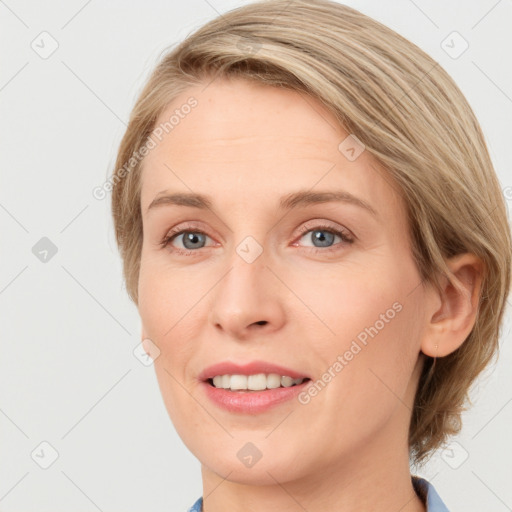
point(422, 487)
point(427, 492)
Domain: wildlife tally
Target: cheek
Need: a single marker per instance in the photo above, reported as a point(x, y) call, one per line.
point(369, 337)
point(166, 301)
point(165, 296)
point(350, 299)
point(163, 312)
point(366, 384)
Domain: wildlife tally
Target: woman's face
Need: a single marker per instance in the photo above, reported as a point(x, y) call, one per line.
point(327, 289)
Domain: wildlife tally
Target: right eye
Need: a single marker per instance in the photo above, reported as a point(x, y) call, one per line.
point(190, 239)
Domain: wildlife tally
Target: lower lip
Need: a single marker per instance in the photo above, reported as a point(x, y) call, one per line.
point(251, 402)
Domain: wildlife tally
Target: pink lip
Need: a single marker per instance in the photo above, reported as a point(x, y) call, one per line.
point(250, 402)
point(252, 368)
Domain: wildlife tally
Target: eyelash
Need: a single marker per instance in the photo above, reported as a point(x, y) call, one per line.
point(345, 238)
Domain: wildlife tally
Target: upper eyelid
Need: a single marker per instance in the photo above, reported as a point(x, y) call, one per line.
point(311, 225)
point(304, 228)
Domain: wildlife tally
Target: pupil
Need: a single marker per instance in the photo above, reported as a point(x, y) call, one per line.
point(191, 237)
point(320, 236)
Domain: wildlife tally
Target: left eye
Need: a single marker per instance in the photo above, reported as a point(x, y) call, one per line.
point(325, 237)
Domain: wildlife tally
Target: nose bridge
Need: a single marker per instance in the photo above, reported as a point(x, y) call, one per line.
point(247, 294)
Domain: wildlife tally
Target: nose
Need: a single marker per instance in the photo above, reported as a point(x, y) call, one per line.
point(247, 300)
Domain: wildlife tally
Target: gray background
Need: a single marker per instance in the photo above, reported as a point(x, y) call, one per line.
point(68, 373)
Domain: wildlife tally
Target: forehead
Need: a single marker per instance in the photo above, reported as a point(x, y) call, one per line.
point(233, 113)
point(259, 141)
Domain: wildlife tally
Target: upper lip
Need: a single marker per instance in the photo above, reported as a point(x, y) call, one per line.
point(250, 368)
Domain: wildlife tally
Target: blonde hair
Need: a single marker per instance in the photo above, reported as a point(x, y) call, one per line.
point(411, 117)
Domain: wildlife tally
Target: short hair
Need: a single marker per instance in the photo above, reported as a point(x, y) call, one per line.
point(411, 117)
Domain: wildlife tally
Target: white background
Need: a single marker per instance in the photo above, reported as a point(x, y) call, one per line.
point(68, 374)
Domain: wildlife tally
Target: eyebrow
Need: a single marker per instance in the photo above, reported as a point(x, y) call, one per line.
point(288, 202)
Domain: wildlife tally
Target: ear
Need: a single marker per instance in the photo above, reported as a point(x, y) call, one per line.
point(452, 312)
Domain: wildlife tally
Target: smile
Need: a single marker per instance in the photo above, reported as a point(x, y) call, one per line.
point(256, 382)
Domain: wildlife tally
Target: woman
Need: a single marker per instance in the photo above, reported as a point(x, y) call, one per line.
point(317, 244)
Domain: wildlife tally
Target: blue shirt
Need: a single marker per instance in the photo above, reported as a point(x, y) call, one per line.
point(422, 487)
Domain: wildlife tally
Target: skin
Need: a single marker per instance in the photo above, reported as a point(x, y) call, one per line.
point(246, 145)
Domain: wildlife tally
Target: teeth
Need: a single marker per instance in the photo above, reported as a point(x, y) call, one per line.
point(273, 381)
point(286, 382)
point(257, 382)
point(238, 382)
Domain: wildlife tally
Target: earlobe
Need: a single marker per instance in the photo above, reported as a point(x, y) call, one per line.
point(451, 322)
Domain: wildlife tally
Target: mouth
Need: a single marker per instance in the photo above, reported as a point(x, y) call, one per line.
point(240, 397)
point(253, 387)
point(254, 383)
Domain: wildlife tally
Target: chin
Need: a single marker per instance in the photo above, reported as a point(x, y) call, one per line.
point(260, 474)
